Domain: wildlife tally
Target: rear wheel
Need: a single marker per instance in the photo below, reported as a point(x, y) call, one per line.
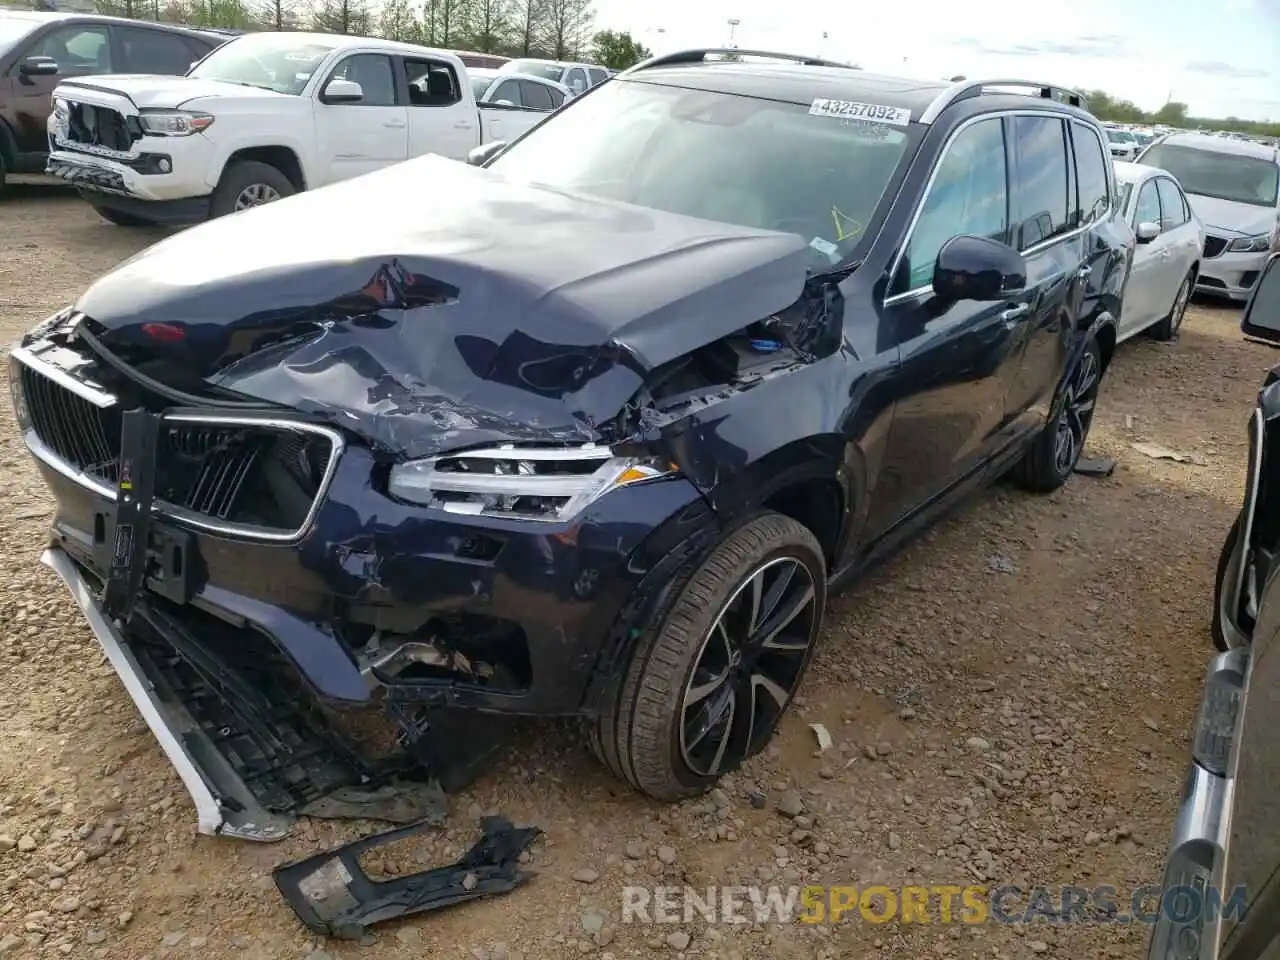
point(248, 183)
point(710, 679)
point(1053, 456)
point(1167, 329)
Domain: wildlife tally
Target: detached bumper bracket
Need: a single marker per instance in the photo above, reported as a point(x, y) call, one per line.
point(131, 527)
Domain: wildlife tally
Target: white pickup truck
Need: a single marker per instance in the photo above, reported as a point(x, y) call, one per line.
point(264, 116)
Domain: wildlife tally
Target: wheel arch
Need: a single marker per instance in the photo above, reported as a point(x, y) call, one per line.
point(285, 159)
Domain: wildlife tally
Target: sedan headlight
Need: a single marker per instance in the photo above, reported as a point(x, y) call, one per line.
point(173, 123)
point(530, 483)
point(1256, 244)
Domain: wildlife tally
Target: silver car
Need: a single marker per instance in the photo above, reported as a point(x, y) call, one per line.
point(1234, 188)
point(1221, 891)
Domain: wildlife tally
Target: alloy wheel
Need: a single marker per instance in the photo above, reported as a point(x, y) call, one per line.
point(1077, 412)
point(255, 195)
point(748, 667)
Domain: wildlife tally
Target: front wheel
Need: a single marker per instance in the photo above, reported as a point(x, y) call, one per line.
point(1167, 329)
point(1053, 456)
point(709, 681)
point(248, 183)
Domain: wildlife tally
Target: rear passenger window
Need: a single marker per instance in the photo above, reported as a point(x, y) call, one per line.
point(1040, 194)
point(153, 51)
point(1172, 212)
point(598, 75)
point(432, 84)
point(968, 196)
point(1091, 173)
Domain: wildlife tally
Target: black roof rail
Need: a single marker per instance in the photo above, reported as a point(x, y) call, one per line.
point(700, 54)
point(964, 89)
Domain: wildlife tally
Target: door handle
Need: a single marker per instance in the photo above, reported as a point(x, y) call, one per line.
point(1084, 272)
point(394, 124)
point(1014, 313)
point(462, 125)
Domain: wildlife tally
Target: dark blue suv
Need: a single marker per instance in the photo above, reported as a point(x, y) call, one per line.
point(589, 427)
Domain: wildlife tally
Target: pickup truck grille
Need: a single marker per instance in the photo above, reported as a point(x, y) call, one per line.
point(98, 127)
point(236, 475)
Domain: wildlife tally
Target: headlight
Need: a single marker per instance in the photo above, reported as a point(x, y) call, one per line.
point(17, 397)
point(173, 123)
point(531, 483)
point(1257, 244)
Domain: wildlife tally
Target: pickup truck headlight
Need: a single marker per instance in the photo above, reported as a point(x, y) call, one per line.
point(173, 123)
point(1256, 244)
point(529, 483)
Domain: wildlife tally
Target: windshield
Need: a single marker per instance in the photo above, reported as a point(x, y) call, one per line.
point(536, 68)
point(740, 160)
point(13, 29)
point(1119, 136)
point(1224, 176)
point(269, 60)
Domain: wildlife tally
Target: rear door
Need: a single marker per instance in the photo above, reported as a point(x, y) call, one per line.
point(956, 358)
point(1047, 227)
point(80, 50)
point(356, 138)
point(1184, 235)
point(441, 118)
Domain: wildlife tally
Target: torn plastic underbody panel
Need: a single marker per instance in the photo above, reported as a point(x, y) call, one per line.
point(334, 897)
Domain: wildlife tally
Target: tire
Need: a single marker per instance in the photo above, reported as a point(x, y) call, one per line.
point(1049, 461)
point(3, 172)
point(244, 177)
point(644, 734)
point(1228, 569)
point(121, 219)
point(1167, 329)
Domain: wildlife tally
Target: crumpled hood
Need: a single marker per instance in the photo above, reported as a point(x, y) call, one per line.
point(146, 92)
point(434, 304)
point(1229, 216)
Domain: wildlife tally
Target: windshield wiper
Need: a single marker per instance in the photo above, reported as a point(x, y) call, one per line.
point(837, 273)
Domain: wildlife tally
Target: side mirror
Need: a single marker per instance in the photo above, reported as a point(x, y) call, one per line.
point(342, 91)
point(38, 67)
point(1147, 231)
point(485, 152)
point(975, 268)
point(1261, 319)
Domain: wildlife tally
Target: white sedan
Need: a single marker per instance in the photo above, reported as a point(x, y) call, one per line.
point(1167, 257)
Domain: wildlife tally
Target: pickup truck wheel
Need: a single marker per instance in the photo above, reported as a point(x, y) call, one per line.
point(711, 677)
point(248, 183)
point(1053, 456)
point(120, 219)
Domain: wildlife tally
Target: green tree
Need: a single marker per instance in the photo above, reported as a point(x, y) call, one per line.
point(491, 25)
point(1172, 113)
point(617, 50)
point(566, 25)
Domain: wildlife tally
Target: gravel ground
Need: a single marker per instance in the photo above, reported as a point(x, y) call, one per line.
point(1009, 701)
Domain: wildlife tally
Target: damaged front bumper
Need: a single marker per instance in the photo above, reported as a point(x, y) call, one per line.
point(224, 803)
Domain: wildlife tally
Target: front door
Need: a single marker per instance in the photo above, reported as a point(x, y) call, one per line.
point(441, 119)
point(80, 50)
point(356, 138)
point(955, 358)
point(1148, 264)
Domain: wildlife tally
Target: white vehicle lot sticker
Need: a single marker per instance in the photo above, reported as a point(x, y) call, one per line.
point(852, 110)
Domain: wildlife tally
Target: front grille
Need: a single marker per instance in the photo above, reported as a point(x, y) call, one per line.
point(238, 473)
point(98, 127)
point(1213, 246)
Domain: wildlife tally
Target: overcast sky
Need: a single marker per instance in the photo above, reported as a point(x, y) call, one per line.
point(1222, 59)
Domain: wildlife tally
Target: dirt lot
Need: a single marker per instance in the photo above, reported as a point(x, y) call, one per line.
point(1010, 700)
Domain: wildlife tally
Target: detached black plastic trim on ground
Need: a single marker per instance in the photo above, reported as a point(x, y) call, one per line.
point(334, 897)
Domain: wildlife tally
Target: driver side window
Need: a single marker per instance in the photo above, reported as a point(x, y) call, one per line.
point(1148, 210)
point(79, 50)
point(969, 196)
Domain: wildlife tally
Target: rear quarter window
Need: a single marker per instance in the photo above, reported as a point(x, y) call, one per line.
point(1091, 172)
